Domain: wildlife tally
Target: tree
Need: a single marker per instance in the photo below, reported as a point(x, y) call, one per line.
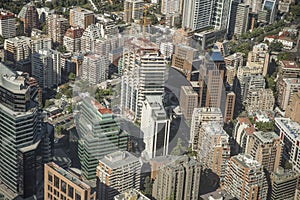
point(148, 186)
point(71, 76)
point(275, 46)
point(178, 149)
point(48, 103)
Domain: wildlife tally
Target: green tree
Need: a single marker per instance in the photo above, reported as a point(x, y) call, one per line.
point(275, 46)
point(178, 149)
point(48, 103)
point(148, 186)
point(71, 76)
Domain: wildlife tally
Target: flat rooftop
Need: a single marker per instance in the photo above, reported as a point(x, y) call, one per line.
point(118, 159)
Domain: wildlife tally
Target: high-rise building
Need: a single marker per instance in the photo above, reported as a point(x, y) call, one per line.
point(170, 6)
point(289, 131)
point(143, 74)
point(89, 36)
point(62, 184)
point(117, 172)
point(20, 126)
point(94, 68)
point(178, 180)
point(229, 106)
point(232, 16)
point(290, 88)
point(201, 115)
point(40, 42)
point(259, 57)
point(155, 126)
point(133, 9)
point(81, 17)
point(266, 148)
point(270, 6)
point(260, 99)
point(241, 133)
point(213, 148)
point(30, 18)
point(99, 134)
point(197, 14)
point(56, 27)
point(245, 178)
point(46, 68)
point(283, 184)
point(242, 17)
point(188, 101)
point(7, 24)
point(17, 50)
point(72, 39)
point(220, 14)
point(293, 110)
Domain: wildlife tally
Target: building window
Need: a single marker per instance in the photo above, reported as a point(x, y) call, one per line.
point(50, 177)
point(78, 196)
point(63, 186)
point(70, 191)
point(56, 181)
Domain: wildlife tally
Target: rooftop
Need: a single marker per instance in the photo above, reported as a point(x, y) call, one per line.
point(217, 195)
point(118, 159)
point(266, 137)
point(290, 127)
point(131, 195)
point(247, 161)
point(289, 64)
point(282, 175)
point(189, 90)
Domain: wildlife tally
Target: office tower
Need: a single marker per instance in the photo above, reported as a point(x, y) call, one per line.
point(220, 14)
point(143, 74)
point(265, 147)
point(213, 148)
point(46, 68)
point(89, 36)
point(188, 101)
point(170, 6)
point(62, 184)
point(130, 195)
point(259, 57)
point(99, 134)
point(293, 110)
point(201, 115)
point(40, 42)
point(133, 9)
point(183, 59)
point(7, 24)
point(255, 5)
point(229, 107)
point(211, 77)
point(197, 14)
point(283, 184)
point(155, 127)
point(260, 99)
point(242, 17)
point(289, 131)
point(72, 39)
point(290, 88)
point(94, 68)
point(81, 17)
point(232, 17)
point(116, 173)
point(56, 27)
point(270, 6)
point(17, 50)
point(241, 133)
point(245, 178)
point(29, 16)
point(20, 126)
point(178, 180)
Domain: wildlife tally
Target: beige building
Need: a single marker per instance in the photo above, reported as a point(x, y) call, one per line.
point(260, 99)
point(188, 101)
point(56, 27)
point(117, 172)
point(245, 178)
point(61, 184)
point(259, 57)
point(293, 110)
point(266, 148)
point(178, 180)
point(81, 17)
point(7, 24)
point(290, 87)
point(72, 39)
point(133, 10)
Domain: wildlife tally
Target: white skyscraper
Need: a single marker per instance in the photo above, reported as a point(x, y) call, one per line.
point(144, 73)
point(46, 68)
point(94, 68)
point(155, 127)
point(197, 14)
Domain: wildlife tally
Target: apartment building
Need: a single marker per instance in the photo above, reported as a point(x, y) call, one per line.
point(72, 39)
point(30, 18)
point(7, 24)
point(117, 172)
point(290, 88)
point(260, 99)
point(56, 27)
point(229, 106)
point(81, 17)
point(245, 178)
point(293, 110)
point(133, 10)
